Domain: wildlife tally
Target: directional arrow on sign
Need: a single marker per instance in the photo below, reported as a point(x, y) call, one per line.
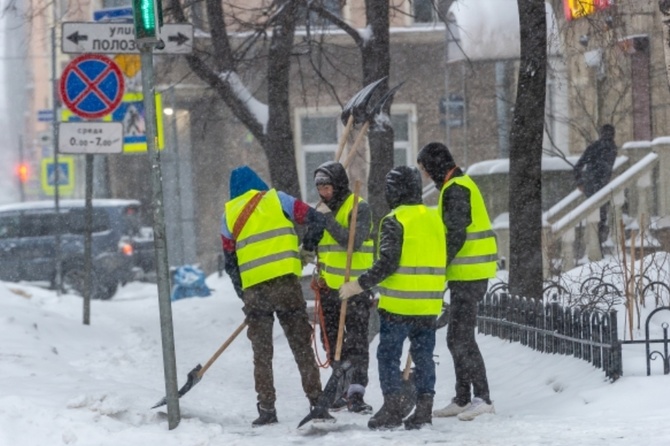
point(119, 38)
point(76, 37)
point(179, 38)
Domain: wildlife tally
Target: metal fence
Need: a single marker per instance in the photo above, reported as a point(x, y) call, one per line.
point(590, 335)
point(651, 355)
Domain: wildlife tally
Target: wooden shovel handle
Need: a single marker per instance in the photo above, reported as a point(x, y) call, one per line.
point(224, 346)
point(344, 137)
point(408, 368)
point(347, 271)
point(357, 142)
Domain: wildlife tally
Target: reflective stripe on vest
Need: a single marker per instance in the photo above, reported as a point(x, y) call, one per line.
point(416, 288)
point(267, 246)
point(477, 258)
point(333, 256)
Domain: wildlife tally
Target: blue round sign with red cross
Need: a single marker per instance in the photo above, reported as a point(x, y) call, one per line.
point(91, 86)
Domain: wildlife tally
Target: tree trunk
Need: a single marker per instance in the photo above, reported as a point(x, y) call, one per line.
point(278, 144)
point(376, 61)
point(525, 175)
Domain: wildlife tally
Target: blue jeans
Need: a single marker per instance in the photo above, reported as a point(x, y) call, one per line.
point(393, 331)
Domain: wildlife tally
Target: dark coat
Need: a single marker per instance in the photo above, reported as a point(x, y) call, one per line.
point(594, 168)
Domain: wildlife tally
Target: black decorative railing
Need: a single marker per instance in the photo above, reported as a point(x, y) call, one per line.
point(590, 335)
point(651, 355)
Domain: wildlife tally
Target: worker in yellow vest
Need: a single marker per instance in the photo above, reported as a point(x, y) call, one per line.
point(471, 262)
point(261, 254)
point(410, 276)
point(337, 203)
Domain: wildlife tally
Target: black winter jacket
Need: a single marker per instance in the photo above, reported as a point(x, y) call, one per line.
point(594, 168)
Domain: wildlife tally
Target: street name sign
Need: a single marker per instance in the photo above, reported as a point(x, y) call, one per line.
point(119, 38)
point(90, 137)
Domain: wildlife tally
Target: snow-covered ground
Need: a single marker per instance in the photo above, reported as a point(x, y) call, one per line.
point(65, 383)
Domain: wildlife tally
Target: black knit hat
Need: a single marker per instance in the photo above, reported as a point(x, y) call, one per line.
point(403, 186)
point(436, 160)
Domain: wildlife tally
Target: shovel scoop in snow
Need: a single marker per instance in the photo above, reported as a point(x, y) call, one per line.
point(329, 392)
point(195, 375)
point(193, 378)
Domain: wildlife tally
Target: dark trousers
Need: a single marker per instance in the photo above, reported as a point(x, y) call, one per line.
point(355, 346)
point(393, 330)
point(603, 227)
point(281, 296)
point(468, 361)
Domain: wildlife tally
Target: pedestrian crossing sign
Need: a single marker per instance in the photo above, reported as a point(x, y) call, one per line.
point(65, 174)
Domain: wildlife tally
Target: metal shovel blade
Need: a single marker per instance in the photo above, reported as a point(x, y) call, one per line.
point(381, 103)
point(329, 392)
point(358, 103)
point(192, 379)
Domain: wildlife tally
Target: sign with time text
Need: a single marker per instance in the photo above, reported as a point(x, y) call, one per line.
point(90, 137)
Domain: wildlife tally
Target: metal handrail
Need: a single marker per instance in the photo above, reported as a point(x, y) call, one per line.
point(595, 201)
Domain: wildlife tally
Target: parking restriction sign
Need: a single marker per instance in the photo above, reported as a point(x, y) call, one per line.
point(92, 86)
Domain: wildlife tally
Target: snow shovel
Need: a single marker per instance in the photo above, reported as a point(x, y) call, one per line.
point(369, 118)
point(195, 375)
point(355, 111)
point(339, 369)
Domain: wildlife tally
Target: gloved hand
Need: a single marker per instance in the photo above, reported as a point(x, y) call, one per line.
point(350, 289)
point(323, 208)
point(306, 256)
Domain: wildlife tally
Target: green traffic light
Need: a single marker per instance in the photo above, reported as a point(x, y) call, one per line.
point(146, 15)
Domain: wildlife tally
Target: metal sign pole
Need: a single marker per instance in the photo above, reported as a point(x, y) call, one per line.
point(59, 271)
point(88, 265)
point(160, 242)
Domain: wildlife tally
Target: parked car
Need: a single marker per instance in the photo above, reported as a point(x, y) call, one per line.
point(145, 254)
point(28, 243)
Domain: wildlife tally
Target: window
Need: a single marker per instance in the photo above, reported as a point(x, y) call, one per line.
point(315, 20)
point(424, 11)
point(402, 152)
point(9, 226)
point(38, 224)
point(74, 222)
point(319, 137)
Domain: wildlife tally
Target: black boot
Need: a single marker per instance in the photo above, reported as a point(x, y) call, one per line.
point(422, 413)
point(340, 403)
point(358, 405)
point(390, 414)
point(265, 416)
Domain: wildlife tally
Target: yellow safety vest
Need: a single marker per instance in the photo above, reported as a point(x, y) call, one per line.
point(333, 256)
point(477, 258)
point(416, 288)
point(267, 245)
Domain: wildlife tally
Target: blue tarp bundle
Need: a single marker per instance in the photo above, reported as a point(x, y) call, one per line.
point(189, 281)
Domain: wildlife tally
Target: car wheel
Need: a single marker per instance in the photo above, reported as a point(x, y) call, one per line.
point(74, 281)
point(106, 291)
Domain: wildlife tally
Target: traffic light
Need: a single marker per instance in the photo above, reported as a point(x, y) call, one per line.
point(148, 18)
point(22, 172)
